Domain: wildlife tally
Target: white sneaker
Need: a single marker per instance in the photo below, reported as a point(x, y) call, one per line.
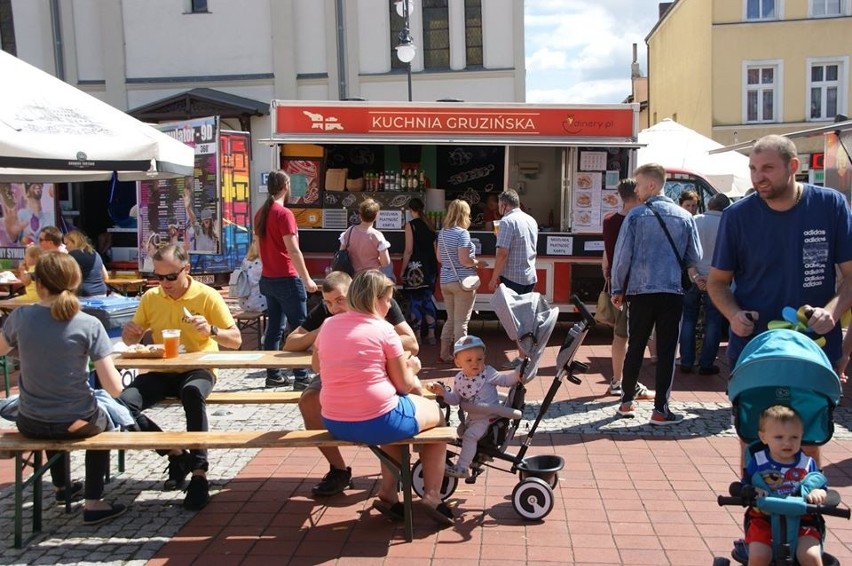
point(615, 389)
point(456, 471)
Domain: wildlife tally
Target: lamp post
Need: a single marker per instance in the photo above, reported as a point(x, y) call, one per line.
point(405, 48)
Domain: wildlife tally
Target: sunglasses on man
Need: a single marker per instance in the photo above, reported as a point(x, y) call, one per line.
point(169, 276)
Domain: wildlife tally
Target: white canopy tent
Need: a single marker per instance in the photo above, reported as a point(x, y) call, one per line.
point(678, 147)
point(51, 131)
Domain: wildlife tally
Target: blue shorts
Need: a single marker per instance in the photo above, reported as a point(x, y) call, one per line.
point(394, 425)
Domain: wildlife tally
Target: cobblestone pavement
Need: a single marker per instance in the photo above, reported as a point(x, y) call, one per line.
point(156, 515)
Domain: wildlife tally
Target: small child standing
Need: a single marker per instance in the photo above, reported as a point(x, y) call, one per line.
point(779, 469)
point(475, 383)
point(26, 269)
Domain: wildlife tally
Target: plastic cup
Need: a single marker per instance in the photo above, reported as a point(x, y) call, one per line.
point(496, 224)
point(171, 342)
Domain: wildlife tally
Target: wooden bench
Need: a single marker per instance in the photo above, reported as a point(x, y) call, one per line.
point(21, 446)
point(251, 320)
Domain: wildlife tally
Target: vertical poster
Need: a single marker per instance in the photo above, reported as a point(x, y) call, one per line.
point(184, 211)
point(26, 208)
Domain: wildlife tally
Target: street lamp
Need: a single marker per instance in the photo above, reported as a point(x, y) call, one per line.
point(405, 48)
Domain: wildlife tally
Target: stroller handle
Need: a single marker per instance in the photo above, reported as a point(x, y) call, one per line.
point(587, 316)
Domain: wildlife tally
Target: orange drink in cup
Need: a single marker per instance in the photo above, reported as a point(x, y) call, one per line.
point(496, 224)
point(171, 342)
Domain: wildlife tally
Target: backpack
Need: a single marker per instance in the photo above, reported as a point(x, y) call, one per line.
point(239, 285)
point(341, 260)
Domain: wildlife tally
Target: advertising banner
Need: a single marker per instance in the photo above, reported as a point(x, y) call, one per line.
point(184, 211)
point(26, 208)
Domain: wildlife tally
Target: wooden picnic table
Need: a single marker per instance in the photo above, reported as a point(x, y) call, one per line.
point(226, 359)
point(8, 305)
point(122, 285)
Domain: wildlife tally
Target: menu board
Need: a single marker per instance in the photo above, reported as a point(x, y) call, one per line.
point(593, 195)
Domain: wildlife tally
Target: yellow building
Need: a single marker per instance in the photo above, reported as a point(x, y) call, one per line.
point(735, 70)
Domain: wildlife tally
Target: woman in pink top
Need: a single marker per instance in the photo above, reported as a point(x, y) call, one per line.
point(367, 247)
point(284, 280)
point(365, 386)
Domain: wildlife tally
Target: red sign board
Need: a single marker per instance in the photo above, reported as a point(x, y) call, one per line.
point(447, 121)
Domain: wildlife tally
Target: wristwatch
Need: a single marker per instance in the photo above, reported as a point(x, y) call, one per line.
point(214, 331)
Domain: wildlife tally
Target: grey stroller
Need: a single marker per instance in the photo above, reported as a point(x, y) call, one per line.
point(529, 320)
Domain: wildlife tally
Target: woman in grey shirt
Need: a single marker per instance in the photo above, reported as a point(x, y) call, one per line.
point(56, 401)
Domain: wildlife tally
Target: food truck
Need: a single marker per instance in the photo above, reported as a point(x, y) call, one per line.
point(564, 161)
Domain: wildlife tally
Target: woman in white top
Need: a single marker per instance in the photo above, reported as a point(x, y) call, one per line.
point(255, 302)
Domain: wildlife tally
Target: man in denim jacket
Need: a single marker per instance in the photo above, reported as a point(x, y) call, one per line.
point(647, 274)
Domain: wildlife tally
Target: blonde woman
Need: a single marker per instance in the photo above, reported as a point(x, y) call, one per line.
point(456, 254)
point(255, 302)
point(366, 381)
point(90, 262)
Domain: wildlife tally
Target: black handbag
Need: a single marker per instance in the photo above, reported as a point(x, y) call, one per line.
point(685, 279)
point(341, 260)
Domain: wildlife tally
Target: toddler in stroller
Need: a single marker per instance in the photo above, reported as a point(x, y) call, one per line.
point(783, 391)
point(476, 385)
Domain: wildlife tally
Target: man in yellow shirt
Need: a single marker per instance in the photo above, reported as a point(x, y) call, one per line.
point(205, 322)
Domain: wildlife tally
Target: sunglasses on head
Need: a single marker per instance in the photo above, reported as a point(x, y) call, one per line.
point(169, 276)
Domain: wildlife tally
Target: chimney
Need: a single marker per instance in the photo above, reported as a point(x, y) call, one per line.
point(664, 7)
point(634, 66)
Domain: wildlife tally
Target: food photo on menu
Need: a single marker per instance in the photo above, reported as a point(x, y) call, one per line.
point(583, 199)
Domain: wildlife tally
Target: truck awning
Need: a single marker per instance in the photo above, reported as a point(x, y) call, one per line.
point(397, 140)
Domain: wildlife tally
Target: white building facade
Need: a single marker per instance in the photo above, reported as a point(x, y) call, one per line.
point(172, 59)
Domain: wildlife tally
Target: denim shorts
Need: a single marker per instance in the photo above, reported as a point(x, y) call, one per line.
point(394, 425)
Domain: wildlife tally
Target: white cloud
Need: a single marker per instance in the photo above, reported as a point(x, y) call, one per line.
point(579, 51)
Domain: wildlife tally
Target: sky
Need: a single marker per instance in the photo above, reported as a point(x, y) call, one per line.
point(579, 51)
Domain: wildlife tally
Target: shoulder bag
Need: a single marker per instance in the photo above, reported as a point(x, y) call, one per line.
point(685, 280)
point(341, 260)
point(471, 282)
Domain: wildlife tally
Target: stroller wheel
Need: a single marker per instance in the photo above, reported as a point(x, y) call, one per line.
point(721, 562)
point(448, 486)
point(532, 499)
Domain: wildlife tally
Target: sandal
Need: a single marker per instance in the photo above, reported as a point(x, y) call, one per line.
point(392, 511)
point(440, 513)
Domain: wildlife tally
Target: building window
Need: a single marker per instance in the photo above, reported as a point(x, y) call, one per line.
point(198, 6)
point(761, 10)
point(473, 32)
point(826, 96)
point(827, 8)
point(436, 34)
point(761, 99)
point(396, 25)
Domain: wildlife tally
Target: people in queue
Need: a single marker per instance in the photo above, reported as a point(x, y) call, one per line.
point(50, 240)
point(255, 302)
point(611, 228)
point(646, 275)
point(457, 256)
point(56, 401)
point(284, 281)
point(368, 248)
point(517, 238)
point(696, 296)
point(91, 264)
point(781, 245)
point(688, 201)
point(200, 314)
point(334, 289)
point(366, 391)
point(419, 269)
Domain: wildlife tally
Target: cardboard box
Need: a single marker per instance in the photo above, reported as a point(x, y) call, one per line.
point(335, 179)
point(355, 185)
